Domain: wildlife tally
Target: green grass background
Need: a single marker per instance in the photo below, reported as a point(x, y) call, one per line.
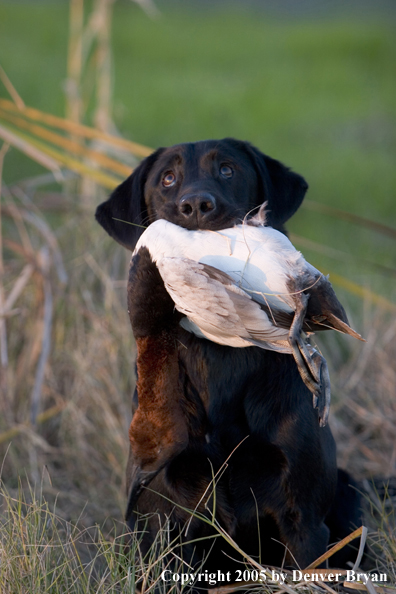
point(318, 94)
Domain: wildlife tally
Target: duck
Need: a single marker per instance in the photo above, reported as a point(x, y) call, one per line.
point(248, 286)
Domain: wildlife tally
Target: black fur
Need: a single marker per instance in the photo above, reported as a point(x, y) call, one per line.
point(248, 405)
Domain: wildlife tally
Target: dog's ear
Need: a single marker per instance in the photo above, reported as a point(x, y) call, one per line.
point(124, 212)
point(283, 189)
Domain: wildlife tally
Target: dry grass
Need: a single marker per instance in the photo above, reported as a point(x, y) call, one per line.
point(68, 321)
point(364, 407)
point(67, 385)
point(43, 553)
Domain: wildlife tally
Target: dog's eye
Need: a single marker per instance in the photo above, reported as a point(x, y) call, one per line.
point(226, 171)
point(168, 179)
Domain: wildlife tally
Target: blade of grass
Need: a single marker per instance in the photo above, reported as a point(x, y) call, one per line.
point(337, 547)
point(44, 258)
point(9, 313)
point(363, 539)
point(234, 589)
point(74, 60)
point(220, 530)
point(67, 144)
point(370, 586)
point(11, 89)
point(348, 216)
point(102, 116)
point(35, 146)
point(3, 327)
point(325, 587)
point(40, 224)
point(339, 254)
point(41, 418)
point(360, 291)
point(378, 589)
point(33, 152)
point(17, 289)
point(78, 129)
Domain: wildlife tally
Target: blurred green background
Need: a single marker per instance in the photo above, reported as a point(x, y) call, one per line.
point(314, 88)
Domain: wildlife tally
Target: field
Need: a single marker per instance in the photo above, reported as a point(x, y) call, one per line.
point(316, 93)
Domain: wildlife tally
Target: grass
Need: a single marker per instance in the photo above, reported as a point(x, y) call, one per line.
point(316, 94)
point(42, 553)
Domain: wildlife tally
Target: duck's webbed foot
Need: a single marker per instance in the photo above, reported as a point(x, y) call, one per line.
point(311, 365)
point(322, 397)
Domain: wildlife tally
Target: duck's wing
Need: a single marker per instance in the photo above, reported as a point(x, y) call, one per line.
point(221, 310)
point(278, 317)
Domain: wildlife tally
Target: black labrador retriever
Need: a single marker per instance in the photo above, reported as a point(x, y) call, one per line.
point(202, 410)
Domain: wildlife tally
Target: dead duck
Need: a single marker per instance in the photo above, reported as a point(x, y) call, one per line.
point(248, 286)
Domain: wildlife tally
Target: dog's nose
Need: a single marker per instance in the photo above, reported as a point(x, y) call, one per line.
point(200, 205)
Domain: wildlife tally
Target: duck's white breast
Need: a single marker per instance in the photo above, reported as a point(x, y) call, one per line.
point(259, 259)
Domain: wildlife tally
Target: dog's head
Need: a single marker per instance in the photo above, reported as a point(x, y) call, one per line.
point(211, 184)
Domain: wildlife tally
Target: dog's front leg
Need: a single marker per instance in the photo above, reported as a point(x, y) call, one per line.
point(158, 431)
